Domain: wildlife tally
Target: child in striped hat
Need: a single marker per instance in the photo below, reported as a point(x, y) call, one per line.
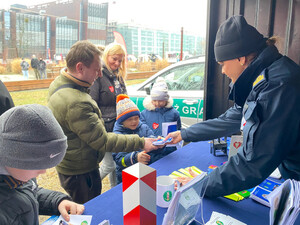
point(128, 122)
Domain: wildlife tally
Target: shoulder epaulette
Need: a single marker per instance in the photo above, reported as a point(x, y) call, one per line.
point(259, 80)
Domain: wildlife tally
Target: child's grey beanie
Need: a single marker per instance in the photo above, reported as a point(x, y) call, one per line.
point(31, 138)
point(159, 90)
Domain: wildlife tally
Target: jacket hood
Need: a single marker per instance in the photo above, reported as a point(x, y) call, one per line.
point(149, 106)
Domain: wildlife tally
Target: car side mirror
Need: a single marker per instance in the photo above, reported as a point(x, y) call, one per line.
point(147, 89)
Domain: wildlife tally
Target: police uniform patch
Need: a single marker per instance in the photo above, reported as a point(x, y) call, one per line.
point(259, 79)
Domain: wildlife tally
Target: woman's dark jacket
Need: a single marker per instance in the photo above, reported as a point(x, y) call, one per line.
point(104, 91)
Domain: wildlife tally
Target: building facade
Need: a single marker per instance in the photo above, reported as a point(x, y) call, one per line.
point(49, 30)
point(140, 41)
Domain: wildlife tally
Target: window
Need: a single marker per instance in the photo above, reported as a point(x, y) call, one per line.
point(185, 77)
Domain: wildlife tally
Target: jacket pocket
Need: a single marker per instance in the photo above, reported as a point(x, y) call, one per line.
point(252, 123)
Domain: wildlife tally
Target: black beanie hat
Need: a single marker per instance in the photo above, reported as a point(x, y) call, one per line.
point(236, 38)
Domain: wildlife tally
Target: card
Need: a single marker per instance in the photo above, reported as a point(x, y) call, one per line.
point(162, 141)
point(235, 143)
point(259, 194)
point(50, 220)
point(75, 219)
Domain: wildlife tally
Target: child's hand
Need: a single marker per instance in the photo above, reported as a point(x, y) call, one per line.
point(65, 207)
point(143, 157)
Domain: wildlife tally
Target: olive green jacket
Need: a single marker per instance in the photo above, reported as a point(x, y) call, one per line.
point(81, 121)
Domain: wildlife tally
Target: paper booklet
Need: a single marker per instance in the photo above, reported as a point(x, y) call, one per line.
point(186, 202)
point(261, 191)
point(74, 219)
point(285, 203)
point(219, 218)
point(168, 127)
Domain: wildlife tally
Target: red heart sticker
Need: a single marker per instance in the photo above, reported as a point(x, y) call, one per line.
point(237, 144)
point(155, 125)
point(111, 88)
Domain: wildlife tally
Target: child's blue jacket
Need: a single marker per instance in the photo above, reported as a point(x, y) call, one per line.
point(154, 117)
point(125, 159)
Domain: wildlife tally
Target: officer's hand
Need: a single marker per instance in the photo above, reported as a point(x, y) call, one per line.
point(176, 135)
point(184, 180)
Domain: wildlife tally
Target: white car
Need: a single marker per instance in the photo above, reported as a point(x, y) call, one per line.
point(185, 80)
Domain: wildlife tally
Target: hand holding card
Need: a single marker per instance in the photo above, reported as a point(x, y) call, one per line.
point(161, 141)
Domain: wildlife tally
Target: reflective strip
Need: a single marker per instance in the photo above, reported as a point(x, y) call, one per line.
point(123, 162)
point(131, 159)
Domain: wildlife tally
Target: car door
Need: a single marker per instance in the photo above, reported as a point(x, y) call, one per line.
point(185, 82)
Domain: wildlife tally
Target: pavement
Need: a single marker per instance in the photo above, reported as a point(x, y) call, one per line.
point(16, 77)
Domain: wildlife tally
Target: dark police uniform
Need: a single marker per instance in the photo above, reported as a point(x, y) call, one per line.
point(267, 95)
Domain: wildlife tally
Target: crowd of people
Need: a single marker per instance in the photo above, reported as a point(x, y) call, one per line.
point(90, 119)
point(39, 67)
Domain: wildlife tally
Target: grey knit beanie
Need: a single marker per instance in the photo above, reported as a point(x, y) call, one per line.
point(31, 138)
point(236, 38)
point(159, 90)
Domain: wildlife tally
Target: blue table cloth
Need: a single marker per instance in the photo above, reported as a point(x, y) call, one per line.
point(109, 205)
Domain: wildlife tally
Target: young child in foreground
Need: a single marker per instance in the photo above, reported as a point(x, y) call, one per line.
point(159, 109)
point(31, 141)
point(128, 122)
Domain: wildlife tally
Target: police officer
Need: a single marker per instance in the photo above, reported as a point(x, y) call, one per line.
point(266, 90)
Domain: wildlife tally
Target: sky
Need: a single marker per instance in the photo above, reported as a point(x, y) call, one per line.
point(169, 15)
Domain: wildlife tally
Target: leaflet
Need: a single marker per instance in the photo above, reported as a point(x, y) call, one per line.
point(219, 218)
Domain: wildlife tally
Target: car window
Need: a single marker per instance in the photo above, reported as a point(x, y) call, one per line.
point(185, 77)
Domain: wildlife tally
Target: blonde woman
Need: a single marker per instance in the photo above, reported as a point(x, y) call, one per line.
point(104, 92)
